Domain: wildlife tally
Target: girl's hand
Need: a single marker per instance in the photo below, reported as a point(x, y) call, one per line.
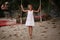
point(21, 5)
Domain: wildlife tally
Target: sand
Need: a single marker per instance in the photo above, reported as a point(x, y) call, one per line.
point(46, 30)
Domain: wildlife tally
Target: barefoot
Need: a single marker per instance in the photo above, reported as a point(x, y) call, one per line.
point(30, 36)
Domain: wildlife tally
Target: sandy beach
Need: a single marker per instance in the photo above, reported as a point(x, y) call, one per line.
point(46, 30)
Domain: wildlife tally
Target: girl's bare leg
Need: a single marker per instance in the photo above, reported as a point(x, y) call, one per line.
point(30, 31)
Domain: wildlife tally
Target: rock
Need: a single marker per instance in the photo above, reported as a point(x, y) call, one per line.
point(46, 27)
point(45, 37)
point(53, 22)
point(3, 37)
point(3, 31)
point(42, 35)
point(42, 26)
point(10, 35)
point(44, 31)
point(16, 35)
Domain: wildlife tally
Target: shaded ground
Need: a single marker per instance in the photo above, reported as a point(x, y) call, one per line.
point(46, 30)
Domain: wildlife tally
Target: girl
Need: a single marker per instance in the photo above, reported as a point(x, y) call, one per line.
point(30, 18)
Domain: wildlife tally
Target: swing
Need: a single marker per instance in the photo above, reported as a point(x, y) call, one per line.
point(40, 16)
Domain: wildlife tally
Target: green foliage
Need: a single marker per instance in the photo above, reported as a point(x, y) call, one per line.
point(14, 4)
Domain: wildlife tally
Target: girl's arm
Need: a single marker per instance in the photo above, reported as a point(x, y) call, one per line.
point(37, 10)
point(23, 9)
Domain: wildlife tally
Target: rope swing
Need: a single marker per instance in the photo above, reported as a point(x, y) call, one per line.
point(40, 17)
point(21, 13)
point(40, 12)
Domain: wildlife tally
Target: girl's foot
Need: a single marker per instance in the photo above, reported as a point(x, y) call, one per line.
point(30, 36)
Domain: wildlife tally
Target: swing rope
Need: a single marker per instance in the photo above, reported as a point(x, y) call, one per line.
point(40, 12)
point(21, 13)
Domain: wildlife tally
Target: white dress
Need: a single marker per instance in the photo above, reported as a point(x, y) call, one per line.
point(30, 18)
